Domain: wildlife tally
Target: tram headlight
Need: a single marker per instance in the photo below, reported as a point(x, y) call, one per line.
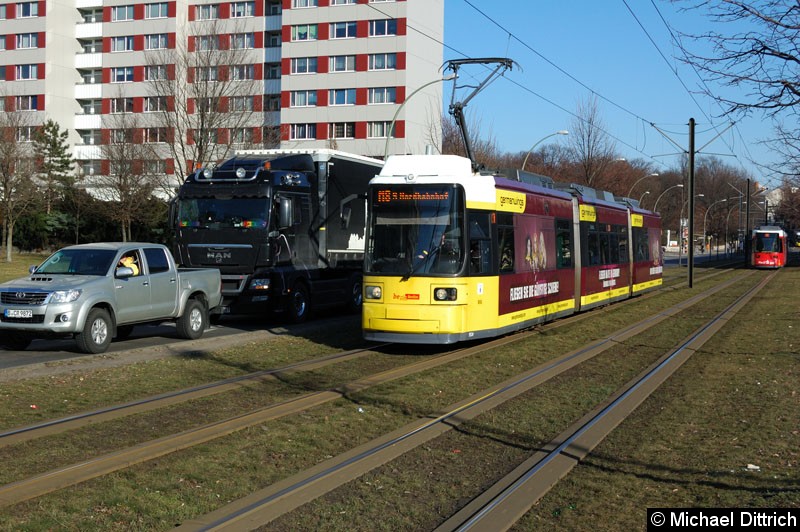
point(373, 292)
point(445, 294)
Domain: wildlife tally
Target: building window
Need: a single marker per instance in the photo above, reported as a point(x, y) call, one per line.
point(156, 41)
point(342, 63)
point(120, 136)
point(374, 1)
point(207, 105)
point(243, 41)
point(304, 32)
point(303, 99)
point(242, 135)
point(211, 136)
point(27, 72)
point(3, 44)
point(342, 97)
point(379, 130)
point(119, 167)
point(297, 4)
point(25, 40)
point(342, 2)
point(155, 134)
point(26, 103)
point(242, 72)
point(382, 61)
point(272, 103)
point(26, 133)
point(157, 10)
point(154, 104)
point(207, 42)
point(121, 105)
point(378, 28)
point(243, 9)
point(27, 9)
point(274, 70)
point(122, 44)
point(207, 12)
point(155, 72)
point(302, 131)
point(241, 103)
point(121, 13)
point(2, 12)
point(122, 75)
point(382, 95)
point(207, 73)
point(304, 65)
point(342, 130)
point(155, 167)
point(343, 30)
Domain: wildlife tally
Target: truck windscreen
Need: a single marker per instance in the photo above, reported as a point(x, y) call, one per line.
point(215, 213)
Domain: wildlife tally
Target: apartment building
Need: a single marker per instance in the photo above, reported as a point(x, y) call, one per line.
point(322, 73)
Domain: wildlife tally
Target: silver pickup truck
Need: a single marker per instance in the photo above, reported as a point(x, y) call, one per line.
point(96, 292)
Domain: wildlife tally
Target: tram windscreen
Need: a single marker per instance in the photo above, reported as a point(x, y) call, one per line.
point(415, 229)
point(768, 243)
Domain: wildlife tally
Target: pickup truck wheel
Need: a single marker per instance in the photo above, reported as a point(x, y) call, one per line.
point(299, 304)
point(96, 334)
point(15, 341)
point(191, 325)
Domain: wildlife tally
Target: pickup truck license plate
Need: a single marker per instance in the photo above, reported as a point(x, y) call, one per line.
point(14, 313)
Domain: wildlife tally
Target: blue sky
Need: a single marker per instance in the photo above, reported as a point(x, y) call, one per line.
point(563, 47)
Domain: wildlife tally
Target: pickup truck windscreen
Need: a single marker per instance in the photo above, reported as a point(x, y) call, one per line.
point(78, 262)
point(215, 213)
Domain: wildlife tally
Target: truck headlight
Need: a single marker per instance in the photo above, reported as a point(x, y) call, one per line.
point(372, 292)
point(65, 296)
point(445, 294)
point(259, 284)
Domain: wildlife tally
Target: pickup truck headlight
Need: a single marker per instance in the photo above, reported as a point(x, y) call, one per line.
point(65, 296)
point(259, 284)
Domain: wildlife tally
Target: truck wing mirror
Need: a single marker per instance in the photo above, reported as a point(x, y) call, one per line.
point(285, 212)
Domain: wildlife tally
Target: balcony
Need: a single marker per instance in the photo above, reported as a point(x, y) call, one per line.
point(87, 122)
point(88, 60)
point(84, 152)
point(89, 91)
point(88, 30)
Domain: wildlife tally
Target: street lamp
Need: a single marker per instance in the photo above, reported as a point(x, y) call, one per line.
point(394, 118)
point(662, 194)
point(637, 182)
point(705, 217)
point(525, 161)
point(646, 192)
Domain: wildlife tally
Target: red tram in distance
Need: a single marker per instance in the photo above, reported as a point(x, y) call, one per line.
point(769, 247)
point(454, 255)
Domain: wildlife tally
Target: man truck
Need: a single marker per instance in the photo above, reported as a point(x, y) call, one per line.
point(284, 227)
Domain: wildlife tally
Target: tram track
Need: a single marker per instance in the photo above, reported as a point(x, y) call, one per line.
point(280, 498)
point(75, 473)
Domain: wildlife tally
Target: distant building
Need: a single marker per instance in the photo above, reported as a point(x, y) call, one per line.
point(330, 73)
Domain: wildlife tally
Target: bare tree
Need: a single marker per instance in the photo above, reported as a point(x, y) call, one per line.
point(592, 147)
point(754, 48)
point(208, 92)
point(18, 193)
point(127, 184)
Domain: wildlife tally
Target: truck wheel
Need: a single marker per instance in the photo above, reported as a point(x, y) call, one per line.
point(355, 294)
point(191, 325)
point(299, 304)
point(96, 334)
point(123, 331)
point(15, 341)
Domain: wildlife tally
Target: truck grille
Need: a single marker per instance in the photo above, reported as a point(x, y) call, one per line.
point(23, 298)
point(37, 318)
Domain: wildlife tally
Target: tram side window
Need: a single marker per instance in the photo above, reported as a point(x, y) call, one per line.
point(592, 255)
point(505, 241)
point(641, 250)
point(480, 240)
point(563, 244)
point(622, 232)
